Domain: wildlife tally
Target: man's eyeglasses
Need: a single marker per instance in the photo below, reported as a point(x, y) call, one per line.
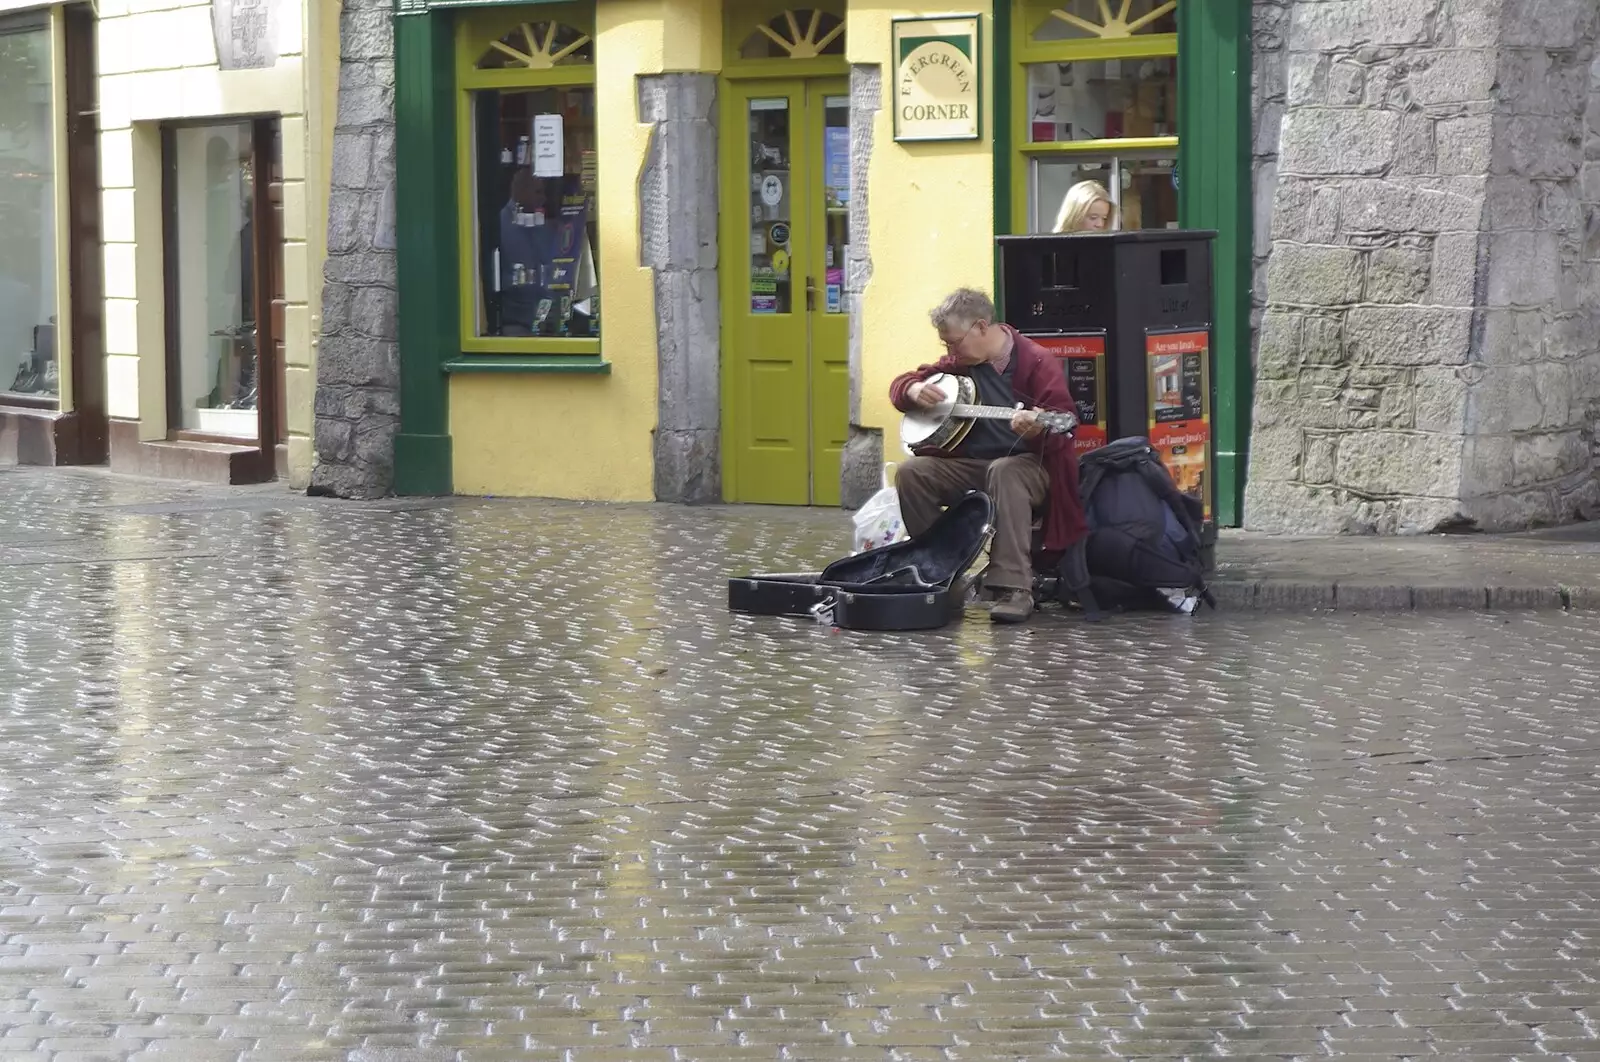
point(951, 344)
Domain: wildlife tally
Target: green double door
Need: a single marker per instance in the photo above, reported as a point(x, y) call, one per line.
point(785, 331)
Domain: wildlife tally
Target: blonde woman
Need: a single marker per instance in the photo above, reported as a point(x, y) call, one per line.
point(1087, 207)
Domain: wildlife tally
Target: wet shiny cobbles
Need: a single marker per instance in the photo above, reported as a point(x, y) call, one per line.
point(289, 779)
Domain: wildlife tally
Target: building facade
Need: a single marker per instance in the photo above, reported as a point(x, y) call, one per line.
point(215, 130)
point(676, 249)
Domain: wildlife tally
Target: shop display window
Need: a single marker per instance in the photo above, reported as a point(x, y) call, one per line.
point(29, 358)
point(530, 228)
point(223, 271)
point(1143, 187)
point(1102, 99)
point(534, 159)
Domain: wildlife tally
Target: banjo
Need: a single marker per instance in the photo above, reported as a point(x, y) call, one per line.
point(945, 426)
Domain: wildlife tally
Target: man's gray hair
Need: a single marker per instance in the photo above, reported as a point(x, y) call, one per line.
point(963, 306)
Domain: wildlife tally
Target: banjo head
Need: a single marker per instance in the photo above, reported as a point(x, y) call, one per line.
point(934, 428)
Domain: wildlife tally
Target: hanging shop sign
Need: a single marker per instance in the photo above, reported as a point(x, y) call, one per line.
point(246, 32)
point(937, 78)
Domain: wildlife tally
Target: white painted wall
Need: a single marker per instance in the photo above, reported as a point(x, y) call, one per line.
point(158, 62)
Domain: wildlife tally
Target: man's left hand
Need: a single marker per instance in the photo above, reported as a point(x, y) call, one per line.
point(1026, 423)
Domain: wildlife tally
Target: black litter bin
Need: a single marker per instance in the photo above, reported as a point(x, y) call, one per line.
point(1130, 315)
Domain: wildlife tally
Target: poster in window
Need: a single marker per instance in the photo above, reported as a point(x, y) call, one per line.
point(568, 283)
point(763, 293)
point(836, 164)
point(588, 172)
point(570, 235)
point(1083, 363)
point(549, 157)
point(1180, 408)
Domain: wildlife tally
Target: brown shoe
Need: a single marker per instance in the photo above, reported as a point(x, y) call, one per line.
point(1014, 606)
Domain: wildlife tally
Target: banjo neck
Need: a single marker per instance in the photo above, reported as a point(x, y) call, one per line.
point(967, 412)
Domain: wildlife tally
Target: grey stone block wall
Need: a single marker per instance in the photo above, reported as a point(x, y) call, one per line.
point(678, 241)
point(357, 406)
point(1428, 354)
point(861, 465)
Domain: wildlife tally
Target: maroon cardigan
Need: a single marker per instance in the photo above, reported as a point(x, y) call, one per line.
point(1038, 381)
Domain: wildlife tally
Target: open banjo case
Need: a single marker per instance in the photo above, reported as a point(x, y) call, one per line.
point(904, 586)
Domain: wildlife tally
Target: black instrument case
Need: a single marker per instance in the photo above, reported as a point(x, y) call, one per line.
point(905, 586)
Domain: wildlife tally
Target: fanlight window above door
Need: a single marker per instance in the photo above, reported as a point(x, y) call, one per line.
point(803, 33)
point(1107, 20)
point(539, 46)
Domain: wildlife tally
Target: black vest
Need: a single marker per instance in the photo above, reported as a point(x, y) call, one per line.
point(990, 439)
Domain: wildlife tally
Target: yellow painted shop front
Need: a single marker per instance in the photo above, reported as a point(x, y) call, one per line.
point(528, 333)
point(590, 309)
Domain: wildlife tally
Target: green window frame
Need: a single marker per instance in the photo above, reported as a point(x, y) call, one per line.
point(1116, 32)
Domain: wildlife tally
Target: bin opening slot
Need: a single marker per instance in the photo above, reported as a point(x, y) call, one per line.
point(1174, 266)
point(1058, 271)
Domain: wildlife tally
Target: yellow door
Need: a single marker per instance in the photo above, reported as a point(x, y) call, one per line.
point(785, 333)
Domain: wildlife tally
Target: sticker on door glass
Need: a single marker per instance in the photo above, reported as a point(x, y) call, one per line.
point(763, 294)
point(834, 279)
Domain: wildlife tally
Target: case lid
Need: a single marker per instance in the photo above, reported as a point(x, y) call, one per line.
point(939, 554)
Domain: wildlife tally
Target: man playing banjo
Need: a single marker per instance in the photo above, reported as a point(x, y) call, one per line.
point(1018, 464)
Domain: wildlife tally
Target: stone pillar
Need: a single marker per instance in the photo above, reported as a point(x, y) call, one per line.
point(861, 464)
point(678, 241)
point(1269, 26)
point(1532, 393)
point(1429, 357)
point(357, 410)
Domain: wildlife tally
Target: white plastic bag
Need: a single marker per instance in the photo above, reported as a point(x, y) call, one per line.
point(878, 523)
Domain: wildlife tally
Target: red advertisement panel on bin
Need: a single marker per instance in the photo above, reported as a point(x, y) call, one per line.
point(1083, 362)
point(1180, 408)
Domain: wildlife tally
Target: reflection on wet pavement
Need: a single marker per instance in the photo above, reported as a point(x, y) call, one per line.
point(296, 780)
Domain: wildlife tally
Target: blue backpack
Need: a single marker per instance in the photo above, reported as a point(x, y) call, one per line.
point(1143, 549)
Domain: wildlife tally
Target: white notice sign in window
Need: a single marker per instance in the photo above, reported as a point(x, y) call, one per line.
point(547, 148)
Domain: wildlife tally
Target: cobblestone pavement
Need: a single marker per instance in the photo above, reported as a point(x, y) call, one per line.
point(290, 779)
